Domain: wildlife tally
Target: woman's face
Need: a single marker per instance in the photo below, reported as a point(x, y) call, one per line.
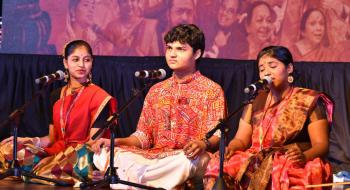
point(79, 64)
point(84, 12)
point(261, 24)
point(272, 67)
point(227, 13)
point(315, 28)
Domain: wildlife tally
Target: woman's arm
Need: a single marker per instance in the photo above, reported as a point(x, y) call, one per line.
point(242, 139)
point(318, 132)
point(37, 141)
point(45, 141)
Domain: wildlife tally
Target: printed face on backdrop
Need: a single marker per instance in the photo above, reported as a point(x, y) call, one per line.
point(84, 12)
point(129, 8)
point(261, 24)
point(181, 12)
point(315, 27)
point(227, 13)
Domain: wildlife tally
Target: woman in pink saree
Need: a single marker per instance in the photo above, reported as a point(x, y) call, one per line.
point(282, 136)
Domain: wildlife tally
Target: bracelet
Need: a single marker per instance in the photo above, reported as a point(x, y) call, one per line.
point(37, 141)
point(207, 143)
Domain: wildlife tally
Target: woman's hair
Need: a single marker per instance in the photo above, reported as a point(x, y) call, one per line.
point(255, 4)
point(71, 46)
point(187, 33)
point(280, 53)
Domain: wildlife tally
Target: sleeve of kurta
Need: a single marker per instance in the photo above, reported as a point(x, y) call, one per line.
point(146, 123)
point(216, 108)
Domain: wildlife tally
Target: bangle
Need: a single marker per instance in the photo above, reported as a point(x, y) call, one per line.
point(207, 143)
point(37, 141)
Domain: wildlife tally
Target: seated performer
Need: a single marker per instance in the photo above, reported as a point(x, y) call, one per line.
point(77, 109)
point(282, 136)
point(168, 147)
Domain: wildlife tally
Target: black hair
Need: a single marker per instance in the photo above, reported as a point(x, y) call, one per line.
point(280, 53)
point(71, 46)
point(187, 33)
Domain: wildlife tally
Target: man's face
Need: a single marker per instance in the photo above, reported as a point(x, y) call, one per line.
point(181, 12)
point(180, 57)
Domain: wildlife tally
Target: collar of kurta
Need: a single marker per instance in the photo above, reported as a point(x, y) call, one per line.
point(189, 79)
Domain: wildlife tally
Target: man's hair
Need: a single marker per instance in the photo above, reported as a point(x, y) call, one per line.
point(187, 33)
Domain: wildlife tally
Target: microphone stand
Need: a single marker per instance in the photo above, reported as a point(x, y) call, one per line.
point(220, 183)
point(111, 176)
point(15, 117)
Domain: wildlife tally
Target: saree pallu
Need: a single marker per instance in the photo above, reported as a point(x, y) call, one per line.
point(268, 168)
point(71, 166)
point(27, 154)
point(75, 114)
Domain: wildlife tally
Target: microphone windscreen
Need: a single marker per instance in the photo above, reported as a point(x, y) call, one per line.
point(162, 73)
point(246, 90)
point(137, 73)
point(268, 79)
point(61, 74)
point(37, 81)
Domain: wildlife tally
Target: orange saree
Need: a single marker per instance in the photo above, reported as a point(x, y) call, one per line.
point(68, 158)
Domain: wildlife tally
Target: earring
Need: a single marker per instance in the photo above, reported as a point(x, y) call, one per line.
point(66, 75)
point(290, 79)
point(90, 78)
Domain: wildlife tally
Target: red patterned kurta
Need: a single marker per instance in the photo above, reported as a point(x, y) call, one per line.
point(176, 113)
point(173, 114)
point(281, 123)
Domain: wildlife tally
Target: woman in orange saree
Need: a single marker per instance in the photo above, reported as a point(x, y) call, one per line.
point(77, 110)
point(282, 136)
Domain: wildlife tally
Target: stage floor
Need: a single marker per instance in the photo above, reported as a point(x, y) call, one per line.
point(11, 183)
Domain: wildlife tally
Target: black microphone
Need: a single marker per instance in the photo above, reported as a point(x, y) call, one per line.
point(252, 88)
point(151, 74)
point(58, 75)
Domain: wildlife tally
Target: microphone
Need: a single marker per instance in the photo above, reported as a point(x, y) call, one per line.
point(151, 74)
point(252, 88)
point(58, 75)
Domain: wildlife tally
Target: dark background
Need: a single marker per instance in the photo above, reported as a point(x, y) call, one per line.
point(116, 76)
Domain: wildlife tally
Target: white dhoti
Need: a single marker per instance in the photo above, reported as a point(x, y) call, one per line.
point(167, 172)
